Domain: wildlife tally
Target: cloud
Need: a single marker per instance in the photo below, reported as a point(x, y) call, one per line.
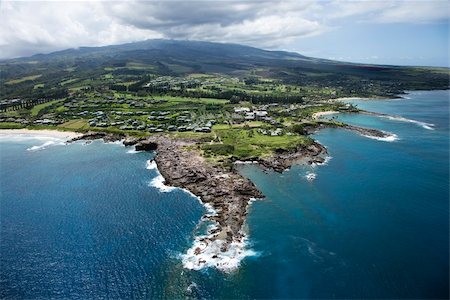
point(263, 23)
point(401, 11)
point(28, 27)
point(32, 26)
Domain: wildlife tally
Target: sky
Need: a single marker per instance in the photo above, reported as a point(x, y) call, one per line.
point(380, 32)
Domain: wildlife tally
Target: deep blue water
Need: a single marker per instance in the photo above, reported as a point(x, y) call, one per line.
point(81, 221)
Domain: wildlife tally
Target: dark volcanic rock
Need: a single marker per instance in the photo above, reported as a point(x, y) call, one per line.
point(93, 135)
point(146, 146)
point(130, 141)
point(283, 160)
point(225, 190)
point(89, 136)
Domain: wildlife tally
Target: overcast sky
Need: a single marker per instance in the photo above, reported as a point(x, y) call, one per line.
point(389, 32)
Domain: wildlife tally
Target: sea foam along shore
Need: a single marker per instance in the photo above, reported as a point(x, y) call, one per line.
point(206, 250)
point(390, 137)
point(158, 181)
point(47, 137)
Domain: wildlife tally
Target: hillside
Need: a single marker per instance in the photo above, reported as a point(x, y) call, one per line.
point(132, 65)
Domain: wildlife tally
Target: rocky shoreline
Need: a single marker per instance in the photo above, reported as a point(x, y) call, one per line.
point(315, 153)
point(223, 189)
point(368, 132)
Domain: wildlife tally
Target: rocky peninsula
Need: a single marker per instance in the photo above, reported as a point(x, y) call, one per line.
point(221, 188)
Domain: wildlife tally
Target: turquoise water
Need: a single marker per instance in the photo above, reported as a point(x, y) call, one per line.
point(82, 221)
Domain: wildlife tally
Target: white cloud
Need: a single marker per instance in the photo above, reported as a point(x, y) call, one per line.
point(400, 11)
point(28, 27)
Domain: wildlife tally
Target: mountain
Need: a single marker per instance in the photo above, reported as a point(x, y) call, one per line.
point(181, 58)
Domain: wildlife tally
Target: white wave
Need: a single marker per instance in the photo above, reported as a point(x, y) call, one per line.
point(118, 142)
point(28, 137)
point(158, 182)
point(428, 126)
point(324, 163)
point(151, 165)
point(210, 211)
point(206, 253)
point(45, 145)
point(191, 287)
point(389, 138)
point(133, 151)
point(310, 176)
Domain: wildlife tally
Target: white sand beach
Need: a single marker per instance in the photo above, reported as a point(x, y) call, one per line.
point(317, 115)
point(67, 135)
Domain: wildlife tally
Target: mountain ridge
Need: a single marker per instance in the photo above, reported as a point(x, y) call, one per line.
point(180, 58)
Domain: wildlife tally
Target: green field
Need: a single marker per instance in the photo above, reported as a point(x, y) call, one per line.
point(37, 108)
point(23, 79)
point(75, 124)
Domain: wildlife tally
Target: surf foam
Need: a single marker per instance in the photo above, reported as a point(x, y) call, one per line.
point(391, 137)
point(428, 126)
point(310, 176)
point(158, 181)
point(133, 151)
point(206, 253)
point(45, 145)
point(324, 163)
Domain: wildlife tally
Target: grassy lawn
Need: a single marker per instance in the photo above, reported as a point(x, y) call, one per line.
point(11, 125)
point(37, 108)
point(192, 100)
point(63, 83)
point(78, 124)
point(23, 79)
point(254, 124)
point(38, 86)
point(250, 143)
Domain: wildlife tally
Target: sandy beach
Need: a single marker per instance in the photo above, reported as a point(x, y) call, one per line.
point(50, 133)
point(317, 115)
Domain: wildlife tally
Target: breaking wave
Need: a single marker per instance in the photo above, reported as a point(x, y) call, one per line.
point(207, 253)
point(310, 176)
point(158, 181)
point(391, 137)
point(45, 145)
point(133, 151)
point(324, 163)
point(206, 250)
point(428, 126)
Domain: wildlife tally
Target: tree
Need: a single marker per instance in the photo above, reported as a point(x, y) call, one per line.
point(299, 129)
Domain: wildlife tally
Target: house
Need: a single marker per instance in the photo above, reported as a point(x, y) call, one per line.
point(261, 113)
point(249, 116)
point(241, 110)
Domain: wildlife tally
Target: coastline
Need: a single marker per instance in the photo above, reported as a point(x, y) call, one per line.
point(66, 135)
point(225, 193)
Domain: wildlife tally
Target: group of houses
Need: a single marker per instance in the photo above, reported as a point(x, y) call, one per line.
point(246, 114)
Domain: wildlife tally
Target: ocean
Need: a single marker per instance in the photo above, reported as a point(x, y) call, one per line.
point(94, 220)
